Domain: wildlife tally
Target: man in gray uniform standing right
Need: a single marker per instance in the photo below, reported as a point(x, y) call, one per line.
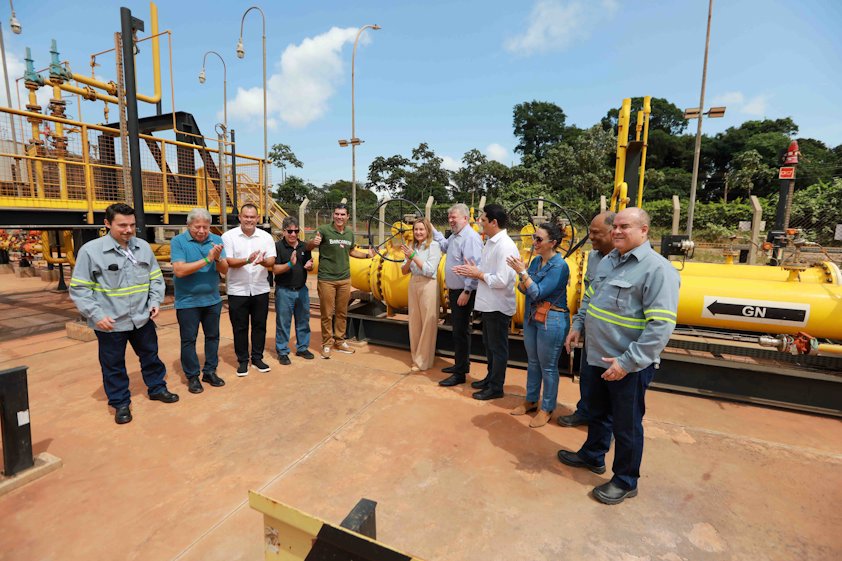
point(629, 313)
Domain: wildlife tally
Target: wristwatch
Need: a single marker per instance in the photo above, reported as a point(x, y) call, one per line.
point(523, 274)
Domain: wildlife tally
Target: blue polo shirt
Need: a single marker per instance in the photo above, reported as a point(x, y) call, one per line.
point(202, 287)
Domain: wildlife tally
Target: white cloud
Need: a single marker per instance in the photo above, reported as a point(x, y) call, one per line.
point(756, 106)
point(308, 76)
point(451, 164)
point(497, 152)
point(554, 25)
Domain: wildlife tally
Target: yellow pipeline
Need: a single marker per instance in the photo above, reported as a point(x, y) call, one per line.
point(67, 247)
point(647, 110)
point(622, 143)
point(33, 150)
point(111, 87)
point(761, 306)
point(821, 273)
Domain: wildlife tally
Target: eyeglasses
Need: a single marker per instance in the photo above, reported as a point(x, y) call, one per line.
point(292, 231)
point(538, 239)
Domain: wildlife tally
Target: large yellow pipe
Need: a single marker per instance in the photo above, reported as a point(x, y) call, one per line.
point(111, 87)
point(821, 273)
point(647, 110)
point(761, 306)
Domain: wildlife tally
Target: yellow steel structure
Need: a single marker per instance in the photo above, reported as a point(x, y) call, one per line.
point(292, 535)
point(86, 175)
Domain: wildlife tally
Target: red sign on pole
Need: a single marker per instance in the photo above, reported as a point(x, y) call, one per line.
point(786, 173)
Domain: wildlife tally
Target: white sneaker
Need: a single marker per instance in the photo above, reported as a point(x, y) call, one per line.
point(344, 347)
point(326, 352)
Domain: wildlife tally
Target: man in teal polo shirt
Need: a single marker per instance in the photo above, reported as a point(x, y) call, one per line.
point(336, 245)
point(197, 258)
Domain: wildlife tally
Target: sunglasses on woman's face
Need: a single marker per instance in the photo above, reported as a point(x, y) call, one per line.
point(292, 231)
point(538, 239)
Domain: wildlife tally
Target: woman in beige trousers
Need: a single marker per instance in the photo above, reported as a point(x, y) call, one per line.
point(422, 261)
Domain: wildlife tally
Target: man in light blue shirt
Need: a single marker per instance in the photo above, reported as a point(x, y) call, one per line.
point(463, 246)
point(197, 258)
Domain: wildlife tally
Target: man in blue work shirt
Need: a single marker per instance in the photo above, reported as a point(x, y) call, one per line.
point(629, 313)
point(463, 246)
point(197, 259)
point(118, 287)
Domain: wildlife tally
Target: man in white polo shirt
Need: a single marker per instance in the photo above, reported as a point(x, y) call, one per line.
point(250, 253)
point(495, 298)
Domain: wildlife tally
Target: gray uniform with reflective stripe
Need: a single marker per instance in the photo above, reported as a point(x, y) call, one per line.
point(107, 283)
point(629, 309)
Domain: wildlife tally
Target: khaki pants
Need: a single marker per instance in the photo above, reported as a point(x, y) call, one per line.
point(423, 307)
point(333, 307)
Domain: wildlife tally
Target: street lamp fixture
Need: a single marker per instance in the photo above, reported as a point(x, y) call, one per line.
point(716, 112)
point(15, 25)
point(354, 141)
point(713, 113)
point(241, 53)
point(203, 77)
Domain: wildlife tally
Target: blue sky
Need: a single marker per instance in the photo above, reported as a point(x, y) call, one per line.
point(448, 73)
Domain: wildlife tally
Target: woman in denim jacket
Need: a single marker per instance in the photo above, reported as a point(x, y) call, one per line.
point(544, 281)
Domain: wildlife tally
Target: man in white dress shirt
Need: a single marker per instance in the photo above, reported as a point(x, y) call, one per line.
point(495, 298)
point(250, 253)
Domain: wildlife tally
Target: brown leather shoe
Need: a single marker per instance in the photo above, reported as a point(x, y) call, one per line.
point(524, 408)
point(540, 419)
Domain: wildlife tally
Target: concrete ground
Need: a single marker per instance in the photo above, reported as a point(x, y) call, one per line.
point(454, 479)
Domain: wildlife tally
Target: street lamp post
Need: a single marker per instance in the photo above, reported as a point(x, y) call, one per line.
point(241, 53)
point(354, 141)
point(16, 27)
point(697, 151)
point(224, 85)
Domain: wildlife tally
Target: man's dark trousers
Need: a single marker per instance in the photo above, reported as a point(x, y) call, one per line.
point(583, 407)
point(460, 317)
point(188, 327)
point(617, 407)
point(495, 338)
point(243, 309)
point(112, 359)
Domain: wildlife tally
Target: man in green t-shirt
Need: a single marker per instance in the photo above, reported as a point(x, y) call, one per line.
point(336, 246)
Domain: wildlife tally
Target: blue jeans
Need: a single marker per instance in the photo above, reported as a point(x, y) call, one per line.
point(188, 327)
point(617, 407)
point(543, 343)
point(291, 303)
point(112, 360)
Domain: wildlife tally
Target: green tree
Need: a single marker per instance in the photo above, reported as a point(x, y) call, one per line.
point(281, 155)
point(537, 125)
point(293, 190)
point(747, 168)
point(414, 178)
point(478, 176)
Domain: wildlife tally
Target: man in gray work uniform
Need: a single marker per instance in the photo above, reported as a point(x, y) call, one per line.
point(118, 287)
point(629, 314)
point(599, 233)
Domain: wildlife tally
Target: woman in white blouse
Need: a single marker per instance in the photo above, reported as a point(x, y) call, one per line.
point(422, 261)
